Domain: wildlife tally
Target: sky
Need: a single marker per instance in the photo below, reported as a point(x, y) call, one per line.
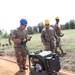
point(35, 11)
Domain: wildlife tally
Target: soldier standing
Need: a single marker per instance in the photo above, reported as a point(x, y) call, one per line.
point(47, 37)
point(20, 51)
point(57, 30)
point(9, 37)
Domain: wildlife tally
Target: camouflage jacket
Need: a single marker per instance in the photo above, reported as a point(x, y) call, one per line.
point(20, 34)
point(48, 35)
point(57, 29)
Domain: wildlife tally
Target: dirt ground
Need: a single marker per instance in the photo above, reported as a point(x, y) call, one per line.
point(8, 65)
point(68, 61)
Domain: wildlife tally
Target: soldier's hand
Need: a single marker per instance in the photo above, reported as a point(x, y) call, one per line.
point(29, 38)
point(18, 41)
point(61, 35)
point(44, 43)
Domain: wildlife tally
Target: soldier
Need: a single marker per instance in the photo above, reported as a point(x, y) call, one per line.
point(57, 30)
point(47, 37)
point(9, 37)
point(20, 51)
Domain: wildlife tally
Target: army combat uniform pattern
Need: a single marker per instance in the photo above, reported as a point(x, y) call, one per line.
point(20, 51)
point(57, 29)
point(47, 37)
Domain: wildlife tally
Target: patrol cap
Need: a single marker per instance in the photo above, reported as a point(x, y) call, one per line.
point(23, 22)
point(56, 17)
point(47, 21)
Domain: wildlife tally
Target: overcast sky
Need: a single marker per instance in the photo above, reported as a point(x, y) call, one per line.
point(35, 11)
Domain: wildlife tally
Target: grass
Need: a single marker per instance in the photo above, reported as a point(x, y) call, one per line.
point(35, 43)
point(68, 41)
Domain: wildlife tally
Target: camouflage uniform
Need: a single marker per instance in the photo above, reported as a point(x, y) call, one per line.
point(9, 37)
point(20, 52)
point(57, 29)
point(47, 37)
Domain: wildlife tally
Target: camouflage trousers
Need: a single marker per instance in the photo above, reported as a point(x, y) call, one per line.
point(58, 43)
point(50, 46)
point(21, 56)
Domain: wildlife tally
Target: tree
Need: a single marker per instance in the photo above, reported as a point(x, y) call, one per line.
point(40, 26)
point(62, 27)
point(5, 35)
point(72, 24)
point(1, 31)
point(67, 25)
point(30, 30)
point(52, 25)
point(35, 28)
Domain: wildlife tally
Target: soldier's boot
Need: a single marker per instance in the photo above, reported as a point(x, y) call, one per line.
point(24, 67)
point(62, 50)
point(21, 70)
point(56, 50)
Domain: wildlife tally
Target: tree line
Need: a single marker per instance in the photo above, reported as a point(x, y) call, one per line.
point(40, 26)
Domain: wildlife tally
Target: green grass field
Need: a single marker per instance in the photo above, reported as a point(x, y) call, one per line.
point(67, 41)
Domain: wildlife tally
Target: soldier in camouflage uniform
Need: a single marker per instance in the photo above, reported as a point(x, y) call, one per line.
point(20, 51)
point(9, 37)
point(47, 37)
point(57, 30)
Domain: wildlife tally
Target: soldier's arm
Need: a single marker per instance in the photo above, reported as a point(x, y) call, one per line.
point(26, 36)
point(61, 34)
point(55, 35)
point(43, 37)
point(14, 39)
